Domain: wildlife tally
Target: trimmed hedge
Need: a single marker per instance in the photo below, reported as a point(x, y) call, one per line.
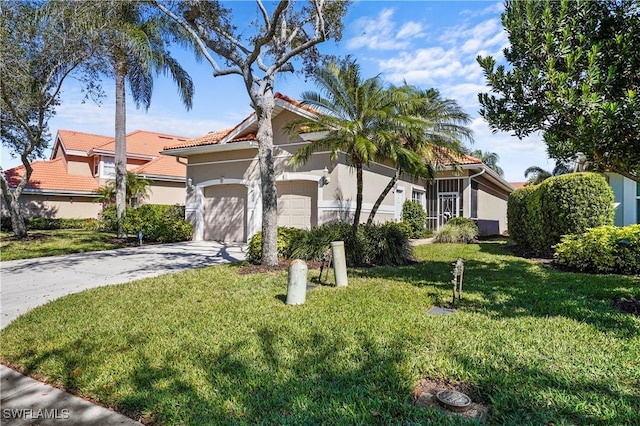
point(605, 250)
point(46, 224)
point(416, 217)
point(386, 244)
point(158, 223)
point(569, 204)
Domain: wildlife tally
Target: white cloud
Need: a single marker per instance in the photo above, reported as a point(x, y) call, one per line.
point(516, 155)
point(497, 7)
point(380, 33)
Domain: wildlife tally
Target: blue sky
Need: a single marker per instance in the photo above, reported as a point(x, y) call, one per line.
point(426, 43)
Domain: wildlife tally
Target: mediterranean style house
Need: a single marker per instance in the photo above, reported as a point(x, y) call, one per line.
point(65, 185)
point(224, 195)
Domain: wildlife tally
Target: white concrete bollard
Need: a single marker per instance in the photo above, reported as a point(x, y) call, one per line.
point(339, 263)
point(297, 287)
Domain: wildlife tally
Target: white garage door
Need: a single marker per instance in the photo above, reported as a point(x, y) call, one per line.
point(297, 204)
point(225, 213)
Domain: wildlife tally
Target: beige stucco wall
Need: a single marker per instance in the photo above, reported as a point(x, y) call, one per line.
point(492, 208)
point(166, 193)
point(57, 206)
point(79, 166)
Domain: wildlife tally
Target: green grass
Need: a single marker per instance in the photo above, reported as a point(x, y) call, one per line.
point(55, 243)
point(211, 346)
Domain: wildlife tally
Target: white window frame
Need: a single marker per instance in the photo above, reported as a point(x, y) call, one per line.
point(105, 166)
point(422, 196)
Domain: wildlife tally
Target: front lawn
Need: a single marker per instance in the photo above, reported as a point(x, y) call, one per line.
point(56, 242)
point(212, 346)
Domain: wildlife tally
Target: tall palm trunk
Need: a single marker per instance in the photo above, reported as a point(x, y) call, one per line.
point(382, 196)
point(121, 146)
point(356, 216)
point(264, 112)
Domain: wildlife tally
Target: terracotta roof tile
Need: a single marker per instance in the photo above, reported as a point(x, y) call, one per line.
point(143, 143)
point(214, 138)
point(80, 141)
point(163, 166)
point(446, 157)
point(517, 185)
point(211, 138)
point(52, 175)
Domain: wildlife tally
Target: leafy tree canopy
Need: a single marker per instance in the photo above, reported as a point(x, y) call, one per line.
point(43, 43)
point(574, 75)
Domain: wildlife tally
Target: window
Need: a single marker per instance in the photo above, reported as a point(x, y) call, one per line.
point(96, 166)
point(108, 168)
point(474, 199)
point(417, 195)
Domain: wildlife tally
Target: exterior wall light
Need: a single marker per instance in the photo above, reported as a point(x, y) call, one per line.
point(325, 176)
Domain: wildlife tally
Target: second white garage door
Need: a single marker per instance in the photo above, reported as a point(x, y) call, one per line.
point(225, 209)
point(297, 204)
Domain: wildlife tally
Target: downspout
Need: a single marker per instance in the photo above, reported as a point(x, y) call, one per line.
point(481, 172)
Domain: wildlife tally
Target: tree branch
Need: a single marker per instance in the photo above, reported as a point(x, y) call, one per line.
point(194, 35)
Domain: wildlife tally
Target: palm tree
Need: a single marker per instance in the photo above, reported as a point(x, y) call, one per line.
point(137, 190)
point(490, 159)
point(135, 47)
point(536, 175)
point(427, 122)
point(354, 112)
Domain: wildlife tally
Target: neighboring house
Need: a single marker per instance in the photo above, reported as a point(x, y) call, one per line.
point(224, 200)
point(65, 186)
point(626, 193)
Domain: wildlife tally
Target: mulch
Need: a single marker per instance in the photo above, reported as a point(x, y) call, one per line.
point(283, 265)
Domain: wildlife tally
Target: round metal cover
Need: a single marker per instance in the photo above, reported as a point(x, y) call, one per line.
point(454, 400)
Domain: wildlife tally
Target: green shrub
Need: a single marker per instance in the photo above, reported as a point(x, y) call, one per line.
point(386, 244)
point(540, 215)
point(416, 217)
point(457, 230)
point(158, 223)
point(605, 249)
point(573, 203)
point(285, 236)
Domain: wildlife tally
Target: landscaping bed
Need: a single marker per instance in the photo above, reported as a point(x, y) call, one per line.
point(211, 346)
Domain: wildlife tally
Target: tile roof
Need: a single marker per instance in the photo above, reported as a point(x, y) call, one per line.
point(517, 185)
point(52, 175)
point(446, 157)
point(210, 138)
point(79, 141)
point(214, 138)
point(143, 143)
point(163, 166)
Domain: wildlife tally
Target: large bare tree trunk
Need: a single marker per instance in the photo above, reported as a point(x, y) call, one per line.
point(268, 181)
point(382, 196)
point(18, 225)
point(121, 147)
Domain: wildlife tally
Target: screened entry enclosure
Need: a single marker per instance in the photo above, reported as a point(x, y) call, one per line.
point(444, 200)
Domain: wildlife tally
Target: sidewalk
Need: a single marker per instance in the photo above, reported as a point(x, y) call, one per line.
point(29, 283)
point(29, 402)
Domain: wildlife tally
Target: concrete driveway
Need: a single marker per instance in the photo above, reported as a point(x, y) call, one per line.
point(33, 282)
point(27, 284)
